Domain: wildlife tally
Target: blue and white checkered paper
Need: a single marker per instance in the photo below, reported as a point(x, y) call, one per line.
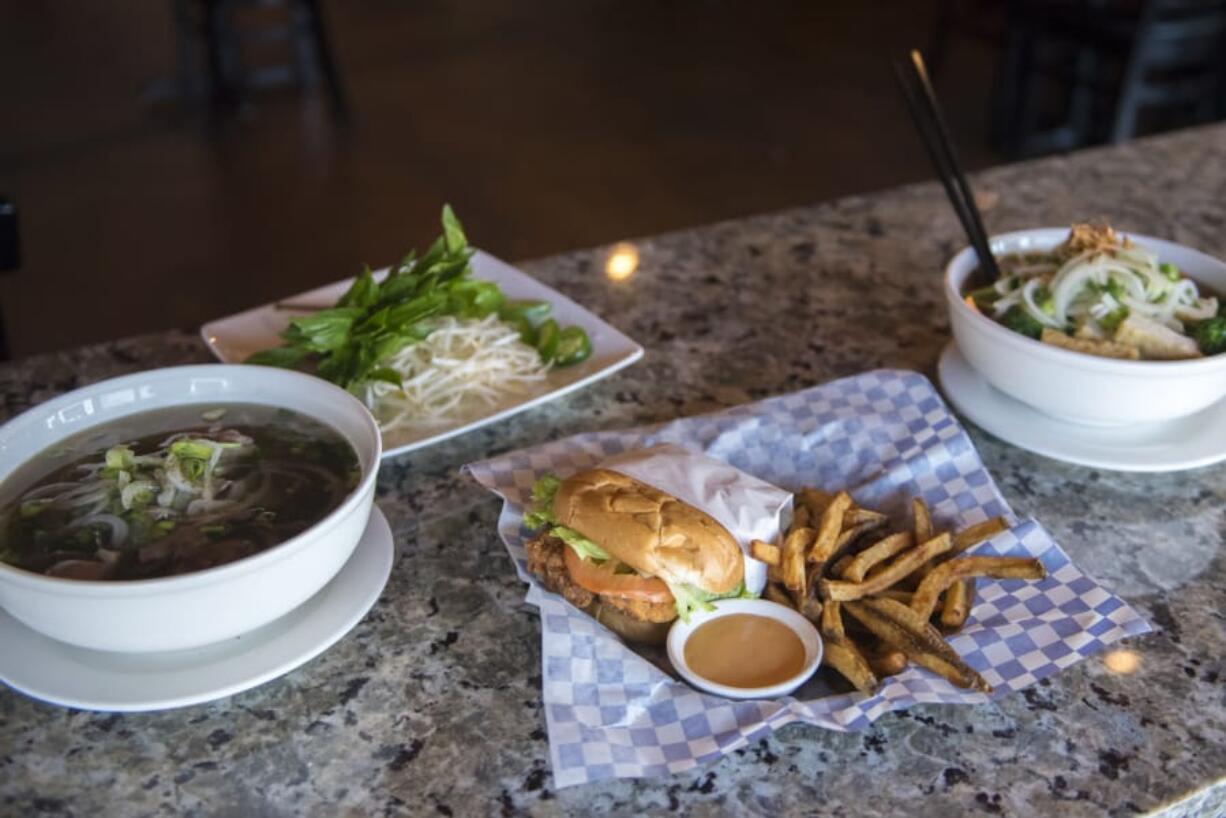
point(887, 437)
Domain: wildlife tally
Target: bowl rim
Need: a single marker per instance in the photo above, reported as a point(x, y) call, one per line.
point(220, 573)
point(805, 630)
point(960, 266)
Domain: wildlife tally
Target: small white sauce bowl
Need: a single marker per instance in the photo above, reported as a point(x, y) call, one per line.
point(803, 628)
point(202, 607)
point(1074, 386)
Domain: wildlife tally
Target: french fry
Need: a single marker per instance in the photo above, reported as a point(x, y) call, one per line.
point(843, 655)
point(765, 552)
point(792, 560)
point(831, 624)
point(901, 566)
point(878, 552)
point(978, 532)
point(849, 535)
point(891, 588)
point(938, 579)
point(923, 520)
point(956, 604)
point(963, 540)
point(823, 548)
point(897, 595)
point(899, 626)
point(959, 673)
point(887, 661)
point(859, 516)
point(811, 609)
point(815, 500)
point(774, 593)
point(801, 518)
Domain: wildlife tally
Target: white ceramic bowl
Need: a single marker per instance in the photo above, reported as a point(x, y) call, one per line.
point(1073, 386)
point(803, 628)
point(205, 606)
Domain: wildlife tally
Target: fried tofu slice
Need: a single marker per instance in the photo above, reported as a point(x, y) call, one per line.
point(1155, 341)
point(1090, 346)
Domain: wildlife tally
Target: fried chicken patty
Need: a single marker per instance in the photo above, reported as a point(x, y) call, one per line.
point(546, 559)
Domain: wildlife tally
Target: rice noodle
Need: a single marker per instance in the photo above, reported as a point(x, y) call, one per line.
point(464, 367)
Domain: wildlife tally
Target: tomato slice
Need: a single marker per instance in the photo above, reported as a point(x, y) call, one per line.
point(599, 578)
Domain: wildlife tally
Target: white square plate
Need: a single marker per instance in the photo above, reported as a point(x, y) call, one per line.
point(234, 338)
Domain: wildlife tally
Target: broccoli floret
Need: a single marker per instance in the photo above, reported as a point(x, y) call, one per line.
point(1018, 320)
point(1211, 335)
point(1111, 321)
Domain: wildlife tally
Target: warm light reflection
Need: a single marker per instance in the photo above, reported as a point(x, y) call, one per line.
point(1122, 661)
point(622, 262)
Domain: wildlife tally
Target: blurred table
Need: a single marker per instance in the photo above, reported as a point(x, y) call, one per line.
point(432, 704)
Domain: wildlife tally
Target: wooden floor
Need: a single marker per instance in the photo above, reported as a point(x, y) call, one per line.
point(548, 126)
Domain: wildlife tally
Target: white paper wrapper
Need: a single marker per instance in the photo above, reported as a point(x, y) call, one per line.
point(751, 509)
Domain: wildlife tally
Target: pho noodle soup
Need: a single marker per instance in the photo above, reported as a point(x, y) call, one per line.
point(173, 491)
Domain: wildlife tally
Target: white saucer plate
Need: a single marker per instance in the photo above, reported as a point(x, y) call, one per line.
point(234, 338)
point(62, 674)
point(1175, 445)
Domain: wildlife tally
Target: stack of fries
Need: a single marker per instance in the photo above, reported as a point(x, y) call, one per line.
point(836, 557)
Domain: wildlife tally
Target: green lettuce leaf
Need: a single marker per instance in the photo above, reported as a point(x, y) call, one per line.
point(690, 598)
point(541, 513)
point(580, 544)
point(541, 516)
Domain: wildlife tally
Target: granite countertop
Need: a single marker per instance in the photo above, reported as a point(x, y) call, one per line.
point(432, 703)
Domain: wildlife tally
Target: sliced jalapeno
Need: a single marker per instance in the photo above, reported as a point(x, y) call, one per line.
point(547, 337)
point(573, 346)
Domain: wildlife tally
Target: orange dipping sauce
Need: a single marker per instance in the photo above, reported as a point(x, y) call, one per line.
point(745, 651)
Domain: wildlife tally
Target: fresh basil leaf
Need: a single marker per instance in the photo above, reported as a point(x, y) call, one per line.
point(349, 343)
point(386, 374)
point(362, 293)
point(452, 231)
point(284, 357)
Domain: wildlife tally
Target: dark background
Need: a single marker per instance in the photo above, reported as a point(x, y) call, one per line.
point(548, 125)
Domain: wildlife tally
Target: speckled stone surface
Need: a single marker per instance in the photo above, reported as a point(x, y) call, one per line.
point(432, 704)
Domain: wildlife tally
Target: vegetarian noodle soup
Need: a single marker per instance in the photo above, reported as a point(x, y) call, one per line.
point(173, 491)
point(1102, 294)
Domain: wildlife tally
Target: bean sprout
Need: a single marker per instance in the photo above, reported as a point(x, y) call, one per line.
point(463, 368)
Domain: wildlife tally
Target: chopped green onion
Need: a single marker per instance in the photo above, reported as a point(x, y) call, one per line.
point(119, 457)
point(193, 448)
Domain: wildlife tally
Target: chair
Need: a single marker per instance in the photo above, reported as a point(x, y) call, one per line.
point(1074, 74)
point(215, 42)
point(1175, 64)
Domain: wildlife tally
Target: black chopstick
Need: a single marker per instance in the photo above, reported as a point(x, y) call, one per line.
point(926, 112)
